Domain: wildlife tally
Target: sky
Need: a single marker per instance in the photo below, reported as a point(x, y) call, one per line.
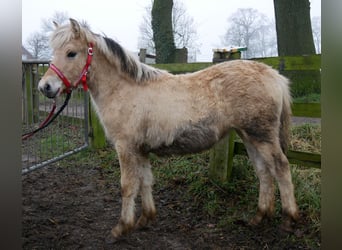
point(120, 20)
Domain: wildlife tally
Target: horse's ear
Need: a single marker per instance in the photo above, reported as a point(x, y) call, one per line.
point(75, 27)
point(55, 24)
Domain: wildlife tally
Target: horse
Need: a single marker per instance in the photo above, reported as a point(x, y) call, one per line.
point(146, 110)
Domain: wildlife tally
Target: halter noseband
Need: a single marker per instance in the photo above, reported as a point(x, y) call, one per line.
point(83, 76)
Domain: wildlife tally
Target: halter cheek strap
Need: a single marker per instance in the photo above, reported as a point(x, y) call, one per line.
point(83, 76)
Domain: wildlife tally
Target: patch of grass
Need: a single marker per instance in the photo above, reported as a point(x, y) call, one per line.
point(54, 145)
point(227, 204)
point(309, 98)
point(306, 137)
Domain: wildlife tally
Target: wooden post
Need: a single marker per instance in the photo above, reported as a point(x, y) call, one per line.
point(35, 94)
point(221, 155)
point(142, 55)
point(96, 131)
point(221, 159)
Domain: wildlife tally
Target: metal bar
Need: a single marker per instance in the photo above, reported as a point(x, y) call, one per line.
point(52, 160)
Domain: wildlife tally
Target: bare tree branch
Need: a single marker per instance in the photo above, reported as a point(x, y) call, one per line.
point(59, 17)
point(316, 32)
point(37, 44)
point(248, 27)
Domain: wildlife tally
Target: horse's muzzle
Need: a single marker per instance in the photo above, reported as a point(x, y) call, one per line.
point(47, 90)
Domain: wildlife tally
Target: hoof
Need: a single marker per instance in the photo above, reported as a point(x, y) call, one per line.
point(257, 219)
point(287, 227)
point(142, 222)
point(289, 222)
point(145, 219)
point(110, 239)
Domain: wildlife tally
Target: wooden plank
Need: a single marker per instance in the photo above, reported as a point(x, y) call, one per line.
point(296, 157)
point(311, 62)
point(304, 158)
point(181, 68)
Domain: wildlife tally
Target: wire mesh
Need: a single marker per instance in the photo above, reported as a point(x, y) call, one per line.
point(67, 135)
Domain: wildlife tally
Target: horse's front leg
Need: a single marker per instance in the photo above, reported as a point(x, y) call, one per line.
point(148, 208)
point(130, 184)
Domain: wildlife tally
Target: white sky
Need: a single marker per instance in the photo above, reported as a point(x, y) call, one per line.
point(120, 20)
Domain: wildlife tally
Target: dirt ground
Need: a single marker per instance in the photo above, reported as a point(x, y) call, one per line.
point(76, 207)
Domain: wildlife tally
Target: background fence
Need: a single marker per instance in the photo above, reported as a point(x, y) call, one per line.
point(68, 134)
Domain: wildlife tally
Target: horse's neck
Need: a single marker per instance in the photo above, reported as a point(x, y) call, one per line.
point(105, 82)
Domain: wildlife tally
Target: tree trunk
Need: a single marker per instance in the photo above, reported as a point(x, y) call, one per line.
point(162, 31)
point(293, 24)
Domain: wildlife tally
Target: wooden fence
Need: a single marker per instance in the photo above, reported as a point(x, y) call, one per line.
point(302, 71)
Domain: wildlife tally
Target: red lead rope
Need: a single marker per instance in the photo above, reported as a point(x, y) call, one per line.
point(51, 117)
point(69, 87)
point(28, 135)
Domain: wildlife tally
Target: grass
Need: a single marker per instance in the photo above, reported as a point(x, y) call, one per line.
point(54, 145)
point(235, 200)
point(306, 138)
point(309, 98)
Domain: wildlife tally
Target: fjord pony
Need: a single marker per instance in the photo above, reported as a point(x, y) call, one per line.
point(146, 110)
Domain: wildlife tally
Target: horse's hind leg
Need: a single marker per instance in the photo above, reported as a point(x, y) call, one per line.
point(281, 172)
point(148, 208)
point(266, 185)
point(269, 160)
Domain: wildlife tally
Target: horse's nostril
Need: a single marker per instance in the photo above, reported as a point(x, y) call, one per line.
point(47, 87)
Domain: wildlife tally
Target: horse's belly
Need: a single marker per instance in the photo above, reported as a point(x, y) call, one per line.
point(191, 139)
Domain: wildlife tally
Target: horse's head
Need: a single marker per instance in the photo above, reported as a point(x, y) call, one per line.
point(71, 59)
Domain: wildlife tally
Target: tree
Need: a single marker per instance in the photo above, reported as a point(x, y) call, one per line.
point(183, 27)
point(58, 17)
point(38, 42)
point(293, 25)
point(38, 45)
point(146, 32)
point(316, 32)
point(184, 30)
point(162, 31)
point(248, 27)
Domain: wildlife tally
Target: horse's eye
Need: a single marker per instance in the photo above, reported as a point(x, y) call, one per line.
point(71, 54)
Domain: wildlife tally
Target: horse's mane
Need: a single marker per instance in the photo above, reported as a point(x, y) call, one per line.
point(114, 52)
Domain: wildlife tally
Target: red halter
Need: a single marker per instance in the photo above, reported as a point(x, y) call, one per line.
point(83, 76)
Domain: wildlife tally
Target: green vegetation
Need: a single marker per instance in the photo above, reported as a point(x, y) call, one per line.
point(233, 201)
point(309, 98)
point(306, 138)
point(312, 62)
point(54, 145)
point(306, 109)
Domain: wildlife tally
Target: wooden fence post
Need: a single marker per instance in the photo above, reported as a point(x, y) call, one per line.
point(32, 97)
point(96, 131)
point(221, 155)
point(221, 159)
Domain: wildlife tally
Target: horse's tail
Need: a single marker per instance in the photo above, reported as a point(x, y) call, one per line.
point(285, 116)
